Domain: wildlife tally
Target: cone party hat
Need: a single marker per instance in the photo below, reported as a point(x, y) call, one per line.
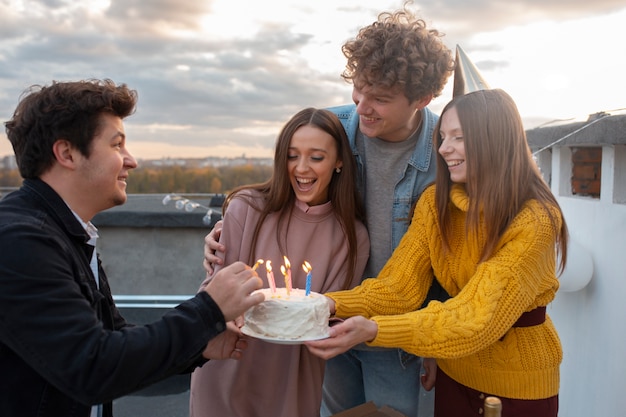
point(467, 78)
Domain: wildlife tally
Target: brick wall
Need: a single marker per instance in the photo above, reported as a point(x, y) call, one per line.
point(586, 171)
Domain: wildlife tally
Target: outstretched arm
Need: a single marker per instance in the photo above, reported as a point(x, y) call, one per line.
point(231, 288)
point(343, 336)
point(227, 345)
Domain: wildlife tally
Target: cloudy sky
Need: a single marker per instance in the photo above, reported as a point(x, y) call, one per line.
point(220, 77)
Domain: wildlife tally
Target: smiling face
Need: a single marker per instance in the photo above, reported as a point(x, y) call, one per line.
point(452, 146)
point(311, 162)
point(101, 177)
point(385, 114)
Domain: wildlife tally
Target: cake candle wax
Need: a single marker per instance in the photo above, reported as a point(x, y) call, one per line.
point(286, 270)
point(307, 269)
point(270, 276)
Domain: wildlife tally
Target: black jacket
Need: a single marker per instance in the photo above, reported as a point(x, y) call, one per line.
point(63, 344)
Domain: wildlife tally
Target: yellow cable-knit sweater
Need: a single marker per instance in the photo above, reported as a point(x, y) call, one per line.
point(465, 333)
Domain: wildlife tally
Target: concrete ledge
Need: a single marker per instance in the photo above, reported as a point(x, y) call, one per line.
point(148, 210)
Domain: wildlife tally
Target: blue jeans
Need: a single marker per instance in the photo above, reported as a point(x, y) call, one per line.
point(385, 376)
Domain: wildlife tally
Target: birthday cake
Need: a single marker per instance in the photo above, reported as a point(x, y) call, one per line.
point(293, 316)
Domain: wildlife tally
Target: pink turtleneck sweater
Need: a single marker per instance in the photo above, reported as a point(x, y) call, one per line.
point(271, 379)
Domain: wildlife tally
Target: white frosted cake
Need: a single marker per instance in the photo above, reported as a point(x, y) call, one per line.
point(288, 317)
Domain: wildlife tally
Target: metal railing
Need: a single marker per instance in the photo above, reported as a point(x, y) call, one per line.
point(149, 301)
point(6, 190)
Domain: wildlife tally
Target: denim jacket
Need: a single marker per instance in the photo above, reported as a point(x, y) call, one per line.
point(419, 172)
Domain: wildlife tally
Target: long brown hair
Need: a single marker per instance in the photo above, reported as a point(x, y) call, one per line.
point(501, 172)
point(279, 197)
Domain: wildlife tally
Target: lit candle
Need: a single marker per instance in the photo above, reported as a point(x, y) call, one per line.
point(256, 264)
point(307, 268)
point(286, 270)
point(270, 276)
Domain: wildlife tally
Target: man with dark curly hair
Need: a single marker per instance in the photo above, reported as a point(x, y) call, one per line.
point(397, 65)
point(65, 350)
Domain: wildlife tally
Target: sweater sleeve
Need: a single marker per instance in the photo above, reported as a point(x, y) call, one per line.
point(233, 229)
point(519, 277)
point(403, 282)
point(231, 236)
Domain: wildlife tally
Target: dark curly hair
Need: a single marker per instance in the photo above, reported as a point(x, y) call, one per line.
point(398, 50)
point(63, 110)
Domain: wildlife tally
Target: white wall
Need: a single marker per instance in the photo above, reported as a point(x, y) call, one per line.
point(592, 321)
point(152, 260)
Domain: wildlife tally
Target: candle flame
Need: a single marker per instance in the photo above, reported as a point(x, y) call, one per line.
point(256, 264)
point(306, 266)
point(286, 270)
point(268, 266)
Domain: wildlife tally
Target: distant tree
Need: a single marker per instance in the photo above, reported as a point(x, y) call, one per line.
point(216, 185)
point(245, 174)
point(182, 180)
point(177, 179)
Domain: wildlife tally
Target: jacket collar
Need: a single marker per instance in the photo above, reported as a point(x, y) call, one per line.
point(422, 155)
point(56, 207)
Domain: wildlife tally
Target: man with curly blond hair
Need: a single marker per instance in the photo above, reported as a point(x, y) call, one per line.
point(397, 65)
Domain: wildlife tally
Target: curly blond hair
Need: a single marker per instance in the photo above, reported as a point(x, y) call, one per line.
point(399, 51)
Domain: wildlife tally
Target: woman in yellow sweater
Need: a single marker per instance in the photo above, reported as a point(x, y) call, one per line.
point(489, 230)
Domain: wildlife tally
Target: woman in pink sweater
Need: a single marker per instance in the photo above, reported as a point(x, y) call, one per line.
point(308, 210)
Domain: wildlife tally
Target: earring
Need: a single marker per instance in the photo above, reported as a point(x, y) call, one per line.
point(337, 170)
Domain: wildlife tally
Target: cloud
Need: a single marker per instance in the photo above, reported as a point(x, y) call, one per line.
point(221, 73)
point(463, 18)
